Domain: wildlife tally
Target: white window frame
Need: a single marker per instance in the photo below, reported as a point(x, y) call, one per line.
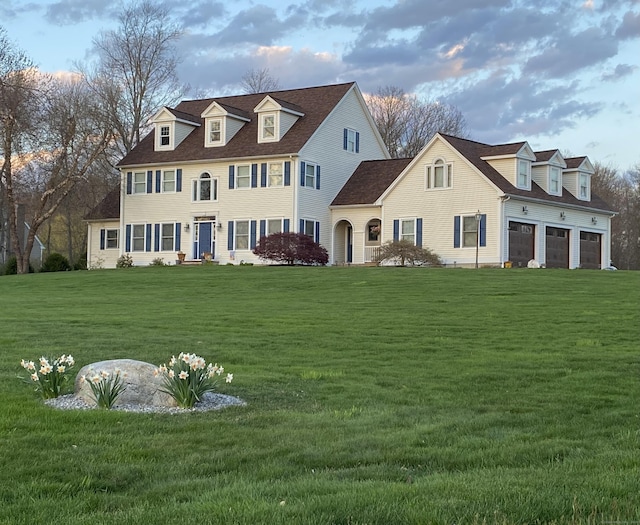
point(242, 176)
point(406, 234)
point(555, 179)
point(167, 185)
point(196, 193)
point(269, 174)
point(351, 140)
point(211, 132)
point(309, 224)
point(432, 175)
point(109, 243)
point(469, 225)
point(270, 223)
point(164, 135)
point(137, 238)
point(167, 236)
point(310, 177)
point(237, 235)
point(139, 186)
point(584, 195)
point(523, 173)
point(264, 127)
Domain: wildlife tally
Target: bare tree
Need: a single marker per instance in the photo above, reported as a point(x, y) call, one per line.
point(407, 123)
point(259, 81)
point(136, 69)
point(51, 132)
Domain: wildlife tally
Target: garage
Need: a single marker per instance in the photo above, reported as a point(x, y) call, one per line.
point(557, 247)
point(521, 243)
point(590, 250)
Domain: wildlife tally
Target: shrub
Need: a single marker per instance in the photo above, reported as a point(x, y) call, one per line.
point(11, 268)
point(81, 263)
point(55, 262)
point(407, 254)
point(124, 261)
point(291, 248)
point(158, 261)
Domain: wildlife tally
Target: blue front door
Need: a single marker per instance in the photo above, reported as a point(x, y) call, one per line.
point(204, 241)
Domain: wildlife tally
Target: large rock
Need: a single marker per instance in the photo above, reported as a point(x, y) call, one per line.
point(142, 385)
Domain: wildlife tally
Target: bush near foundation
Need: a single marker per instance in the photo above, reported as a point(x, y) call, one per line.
point(291, 248)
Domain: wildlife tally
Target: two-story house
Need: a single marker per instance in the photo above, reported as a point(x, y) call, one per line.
point(217, 174)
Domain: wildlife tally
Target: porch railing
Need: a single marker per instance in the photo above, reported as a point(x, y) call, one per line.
point(371, 253)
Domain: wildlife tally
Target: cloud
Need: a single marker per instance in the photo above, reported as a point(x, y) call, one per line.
point(203, 13)
point(630, 27)
point(65, 12)
point(619, 72)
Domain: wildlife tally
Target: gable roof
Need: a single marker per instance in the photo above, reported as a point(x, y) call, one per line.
point(108, 208)
point(369, 181)
point(316, 103)
point(474, 151)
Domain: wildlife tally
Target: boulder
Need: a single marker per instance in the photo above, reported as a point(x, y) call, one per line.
point(143, 387)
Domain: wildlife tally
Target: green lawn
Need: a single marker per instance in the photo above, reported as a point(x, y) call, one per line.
point(375, 396)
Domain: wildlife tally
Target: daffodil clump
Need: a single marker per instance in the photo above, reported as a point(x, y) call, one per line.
point(188, 377)
point(105, 387)
point(49, 375)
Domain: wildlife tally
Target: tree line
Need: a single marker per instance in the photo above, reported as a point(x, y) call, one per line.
point(60, 137)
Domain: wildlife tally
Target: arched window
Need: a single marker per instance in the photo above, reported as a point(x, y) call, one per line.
point(205, 188)
point(439, 174)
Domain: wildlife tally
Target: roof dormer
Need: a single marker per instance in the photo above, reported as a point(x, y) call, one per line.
point(275, 118)
point(222, 122)
point(576, 177)
point(171, 128)
point(547, 171)
point(513, 162)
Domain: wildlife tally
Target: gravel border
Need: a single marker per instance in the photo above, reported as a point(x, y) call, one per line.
point(210, 401)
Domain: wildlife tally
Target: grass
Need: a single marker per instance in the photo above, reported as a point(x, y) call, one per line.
point(375, 396)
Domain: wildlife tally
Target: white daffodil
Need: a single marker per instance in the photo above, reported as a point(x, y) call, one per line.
point(229, 378)
point(61, 369)
point(183, 375)
point(34, 377)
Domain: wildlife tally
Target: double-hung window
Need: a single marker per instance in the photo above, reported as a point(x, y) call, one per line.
point(275, 174)
point(554, 180)
point(138, 237)
point(408, 230)
point(268, 127)
point(140, 182)
point(469, 231)
point(111, 239)
point(241, 235)
point(583, 186)
point(310, 175)
point(243, 176)
point(439, 175)
point(205, 188)
point(274, 226)
point(168, 181)
point(351, 140)
point(215, 131)
point(167, 231)
point(165, 135)
point(524, 174)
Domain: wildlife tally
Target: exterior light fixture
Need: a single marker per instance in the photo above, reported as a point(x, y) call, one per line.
point(478, 218)
point(187, 227)
point(594, 220)
point(525, 210)
point(562, 215)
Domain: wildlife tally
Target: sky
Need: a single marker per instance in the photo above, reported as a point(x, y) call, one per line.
point(560, 74)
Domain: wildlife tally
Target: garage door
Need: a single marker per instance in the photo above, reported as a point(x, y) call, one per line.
point(590, 244)
point(557, 247)
point(521, 243)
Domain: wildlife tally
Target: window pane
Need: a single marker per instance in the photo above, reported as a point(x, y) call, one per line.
point(167, 237)
point(275, 174)
point(469, 226)
point(268, 127)
point(274, 226)
point(138, 237)
point(140, 182)
point(242, 235)
point(205, 190)
point(310, 175)
point(214, 131)
point(309, 228)
point(169, 181)
point(438, 177)
point(243, 178)
point(112, 239)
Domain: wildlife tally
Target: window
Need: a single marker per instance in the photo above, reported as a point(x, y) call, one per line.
point(469, 231)
point(205, 188)
point(309, 228)
point(166, 236)
point(168, 181)
point(275, 174)
point(215, 130)
point(407, 230)
point(138, 237)
point(310, 175)
point(242, 235)
point(243, 176)
point(554, 181)
point(524, 174)
point(584, 186)
point(373, 230)
point(351, 140)
point(439, 175)
point(165, 136)
point(268, 127)
point(140, 182)
point(111, 239)
point(274, 226)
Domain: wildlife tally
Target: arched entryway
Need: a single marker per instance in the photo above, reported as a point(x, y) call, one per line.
point(343, 242)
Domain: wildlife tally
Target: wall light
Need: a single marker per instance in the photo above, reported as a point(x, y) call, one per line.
point(562, 215)
point(525, 210)
point(219, 225)
point(594, 220)
point(187, 227)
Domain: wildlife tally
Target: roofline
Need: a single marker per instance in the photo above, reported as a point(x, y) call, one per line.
point(342, 206)
point(560, 204)
point(206, 161)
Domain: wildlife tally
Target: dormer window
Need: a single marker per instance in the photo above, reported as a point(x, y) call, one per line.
point(524, 174)
point(215, 131)
point(268, 127)
point(554, 181)
point(583, 186)
point(165, 136)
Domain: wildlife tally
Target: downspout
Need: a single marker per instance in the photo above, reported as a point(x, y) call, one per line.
point(123, 194)
point(503, 230)
point(294, 184)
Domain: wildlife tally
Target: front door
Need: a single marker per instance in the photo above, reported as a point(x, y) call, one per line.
point(349, 244)
point(204, 239)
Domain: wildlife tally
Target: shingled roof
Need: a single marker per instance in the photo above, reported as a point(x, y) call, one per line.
point(108, 208)
point(316, 103)
point(369, 181)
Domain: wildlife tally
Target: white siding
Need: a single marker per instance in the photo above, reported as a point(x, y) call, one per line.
point(102, 258)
